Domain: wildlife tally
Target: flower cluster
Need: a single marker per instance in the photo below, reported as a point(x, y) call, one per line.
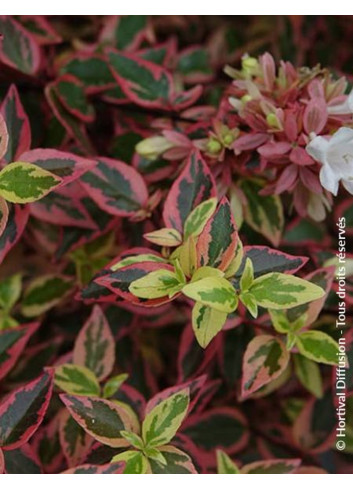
point(275, 122)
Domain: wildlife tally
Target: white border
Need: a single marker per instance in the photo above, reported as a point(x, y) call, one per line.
point(180, 7)
point(174, 481)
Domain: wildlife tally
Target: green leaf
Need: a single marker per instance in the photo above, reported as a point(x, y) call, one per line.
point(155, 455)
point(281, 291)
point(280, 321)
point(134, 439)
point(225, 465)
point(43, 293)
point(10, 291)
point(282, 324)
point(21, 182)
point(204, 272)
point(113, 384)
point(186, 254)
point(318, 346)
point(198, 217)
point(155, 284)
point(135, 462)
point(206, 323)
point(248, 276)
point(215, 292)
point(163, 421)
point(249, 302)
point(308, 372)
point(76, 379)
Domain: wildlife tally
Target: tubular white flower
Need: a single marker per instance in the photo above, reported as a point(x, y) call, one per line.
point(344, 108)
point(336, 156)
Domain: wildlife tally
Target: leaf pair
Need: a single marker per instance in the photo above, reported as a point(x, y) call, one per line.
point(112, 424)
point(93, 359)
point(161, 423)
point(275, 291)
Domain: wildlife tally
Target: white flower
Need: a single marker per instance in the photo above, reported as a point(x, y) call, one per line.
point(344, 108)
point(336, 156)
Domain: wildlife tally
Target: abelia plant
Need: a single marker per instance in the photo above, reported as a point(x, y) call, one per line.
point(170, 211)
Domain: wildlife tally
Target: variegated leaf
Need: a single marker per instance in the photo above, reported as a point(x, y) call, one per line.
point(4, 137)
point(10, 291)
point(217, 243)
point(225, 465)
point(64, 207)
point(23, 411)
point(207, 323)
point(198, 217)
point(76, 380)
point(43, 293)
point(120, 280)
point(91, 69)
point(176, 462)
point(12, 343)
point(70, 91)
point(265, 260)
point(66, 166)
point(215, 292)
point(280, 466)
point(18, 48)
point(194, 185)
point(16, 222)
point(116, 187)
point(15, 126)
point(308, 372)
point(156, 284)
point(147, 84)
point(89, 469)
point(74, 441)
point(73, 126)
point(22, 460)
point(101, 419)
point(125, 32)
point(164, 237)
point(22, 182)
point(318, 346)
point(135, 462)
point(263, 213)
point(163, 421)
point(264, 360)
point(281, 291)
point(94, 346)
point(217, 428)
point(113, 385)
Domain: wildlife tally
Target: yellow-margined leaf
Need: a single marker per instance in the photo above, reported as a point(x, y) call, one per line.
point(162, 422)
point(155, 284)
point(22, 182)
point(215, 292)
point(76, 379)
point(282, 291)
point(206, 323)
